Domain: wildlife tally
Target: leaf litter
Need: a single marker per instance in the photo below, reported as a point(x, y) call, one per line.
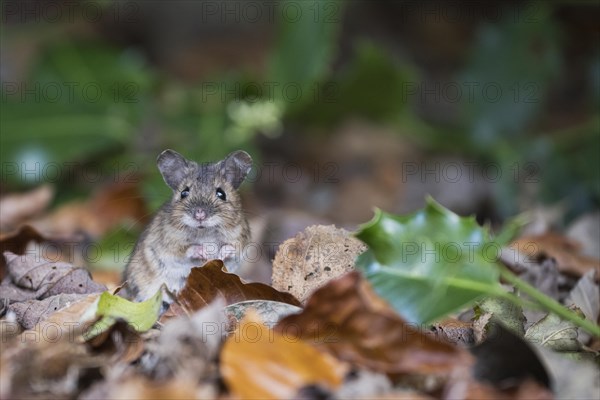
point(346, 342)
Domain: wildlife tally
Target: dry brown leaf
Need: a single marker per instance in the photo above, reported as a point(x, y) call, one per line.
point(565, 251)
point(68, 320)
point(259, 363)
point(120, 343)
point(350, 321)
point(204, 284)
point(30, 277)
point(314, 257)
point(31, 312)
point(18, 207)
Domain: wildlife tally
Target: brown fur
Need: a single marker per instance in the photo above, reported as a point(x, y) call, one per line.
point(169, 247)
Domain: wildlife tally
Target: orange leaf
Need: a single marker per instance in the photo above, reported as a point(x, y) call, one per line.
point(259, 363)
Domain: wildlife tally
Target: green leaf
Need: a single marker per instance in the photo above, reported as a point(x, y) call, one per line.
point(140, 316)
point(429, 263)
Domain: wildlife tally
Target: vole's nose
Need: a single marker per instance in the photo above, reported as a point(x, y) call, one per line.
point(200, 214)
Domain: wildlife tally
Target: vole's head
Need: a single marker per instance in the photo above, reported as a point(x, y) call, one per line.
point(205, 195)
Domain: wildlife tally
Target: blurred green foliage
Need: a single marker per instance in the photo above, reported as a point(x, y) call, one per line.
point(123, 110)
point(373, 86)
point(79, 98)
point(512, 65)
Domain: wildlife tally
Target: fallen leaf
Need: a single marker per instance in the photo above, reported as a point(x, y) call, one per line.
point(30, 278)
point(555, 333)
point(69, 321)
point(349, 320)
point(312, 258)
point(16, 208)
point(110, 308)
point(259, 363)
point(29, 313)
point(205, 283)
point(565, 251)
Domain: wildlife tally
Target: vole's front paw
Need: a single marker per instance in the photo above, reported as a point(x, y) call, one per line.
point(197, 252)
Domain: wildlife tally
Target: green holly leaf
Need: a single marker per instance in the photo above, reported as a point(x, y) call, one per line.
point(429, 263)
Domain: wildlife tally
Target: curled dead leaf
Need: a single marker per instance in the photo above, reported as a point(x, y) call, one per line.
point(314, 257)
point(204, 284)
point(29, 313)
point(30, 277)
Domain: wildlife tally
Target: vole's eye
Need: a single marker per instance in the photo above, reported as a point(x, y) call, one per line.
point(185, 192)
point(221, 194)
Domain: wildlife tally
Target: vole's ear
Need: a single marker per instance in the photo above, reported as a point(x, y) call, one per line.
point(236, 166)
point(172, 167)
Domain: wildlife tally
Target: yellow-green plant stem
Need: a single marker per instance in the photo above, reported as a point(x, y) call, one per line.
point(548, 303)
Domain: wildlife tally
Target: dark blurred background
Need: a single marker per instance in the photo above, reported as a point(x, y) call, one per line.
point(489, 106)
